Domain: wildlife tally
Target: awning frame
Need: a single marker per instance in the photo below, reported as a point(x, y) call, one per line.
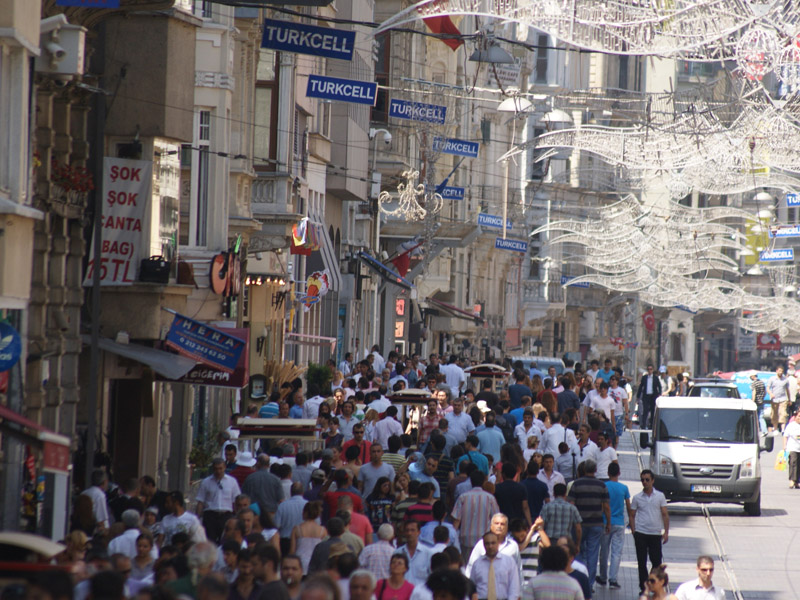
point(385, 272)
point(456, 312)
point(171, 366)
point(306, 339)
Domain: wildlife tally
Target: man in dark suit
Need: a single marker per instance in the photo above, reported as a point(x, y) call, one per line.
point(649, 390)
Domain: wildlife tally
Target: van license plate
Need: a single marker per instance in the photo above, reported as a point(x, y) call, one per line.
point(707, 489)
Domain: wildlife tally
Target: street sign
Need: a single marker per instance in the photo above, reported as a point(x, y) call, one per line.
point(10, 346)
point(485, 220)
point(343, 90)
point(450, 192)
point(784, 231)
point(768, 341)
point(456, 147)
point(565, 280)
point(512, 245)
point(793, 199)
point(308, 39)
point(776, 255)
point(417, 111)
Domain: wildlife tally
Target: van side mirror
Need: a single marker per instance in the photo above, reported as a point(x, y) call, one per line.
point(767, 443)
point(644, 439)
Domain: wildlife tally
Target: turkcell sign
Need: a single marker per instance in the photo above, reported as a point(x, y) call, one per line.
point(308, 39)
point(776, 255)
point(485, 220)
point(344, 90)
point(512, 245)
point(417, 111)
point(792, 199)
point(565, 280)
point(450, 192)
point(784, 231)
point(456, 147)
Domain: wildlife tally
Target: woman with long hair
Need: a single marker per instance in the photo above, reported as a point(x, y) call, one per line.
point(656, 587)
point(371, 417)
point(307, 534)
point(536, 385)
point(379, 503)
point(338, 381)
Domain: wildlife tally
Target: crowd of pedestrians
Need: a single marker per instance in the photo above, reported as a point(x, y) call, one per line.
point(500, 495)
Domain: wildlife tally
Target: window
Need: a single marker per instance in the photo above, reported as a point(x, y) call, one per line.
point(300, 143)
point(537, 170)
point(200, 193)
point(266, 113)
point(380, 112)
point(204, 8)
point(622, 82)
point(542, 43)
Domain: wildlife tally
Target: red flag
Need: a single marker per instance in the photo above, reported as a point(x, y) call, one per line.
point(444, 24)
point(402, 262)
point(649, 320)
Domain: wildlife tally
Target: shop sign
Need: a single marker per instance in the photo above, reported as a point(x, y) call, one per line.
point(204, 343)
point(308, 39)
point(343, 90)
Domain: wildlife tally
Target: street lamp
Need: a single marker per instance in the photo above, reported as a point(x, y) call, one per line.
point(374, 193)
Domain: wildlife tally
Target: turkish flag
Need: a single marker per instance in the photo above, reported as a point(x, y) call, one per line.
point(649, 320)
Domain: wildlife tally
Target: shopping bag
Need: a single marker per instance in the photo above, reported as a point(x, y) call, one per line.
point(780, 462)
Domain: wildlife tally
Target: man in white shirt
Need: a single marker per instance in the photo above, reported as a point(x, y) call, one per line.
point(97, 493)
point(526, 429)
point(557, 433)
point(379, 363)
point(586, 449)
point(178, 520)
point(126, 542)
point(648, 519)
point(605, 403)
point(508, 545)
point(387, 427)
point(215, 499)
point(346, 366)
point(454, 376)
point(703, 587)
point(460, 424)
point(548, 475)
point(419, 556)
point(791, 446)
point(594, 369)
point(312, 404)
point(496, 576)
point(605, 456)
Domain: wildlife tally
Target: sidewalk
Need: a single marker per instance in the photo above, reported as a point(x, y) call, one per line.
point(686, 540)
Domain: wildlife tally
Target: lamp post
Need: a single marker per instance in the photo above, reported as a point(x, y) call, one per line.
point(374, 192)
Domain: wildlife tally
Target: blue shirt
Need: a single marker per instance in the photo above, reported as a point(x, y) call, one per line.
point(516, 392)
point(537, 494)
point(605, 375)
point(422, 476)
point(617, 494)
point(491, 440)
point(517, 415)
point(478, 459)
point(296, 412)
point(426, 534)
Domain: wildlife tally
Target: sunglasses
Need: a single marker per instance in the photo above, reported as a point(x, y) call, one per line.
point(706, 570)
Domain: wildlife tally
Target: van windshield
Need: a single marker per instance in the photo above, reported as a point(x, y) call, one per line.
point(706, 425)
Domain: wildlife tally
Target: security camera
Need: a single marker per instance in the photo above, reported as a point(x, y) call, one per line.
point(56, 51)
point(259, 256)
point(387, 139)
point(61, 80)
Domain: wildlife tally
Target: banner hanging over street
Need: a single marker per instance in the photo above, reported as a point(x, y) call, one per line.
point(343, 90)
point(308, 39)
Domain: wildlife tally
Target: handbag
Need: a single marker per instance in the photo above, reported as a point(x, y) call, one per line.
point(154, 270)
point(780, 461)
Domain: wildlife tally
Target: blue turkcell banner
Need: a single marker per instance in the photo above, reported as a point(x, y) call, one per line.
point(204, 343)
point(512, 245)
point(89, 3)
point(307, 39)
point(485, 220)
point(450, 192)
point(792, 199)
point(784, 231)
point(417, 111)
point(565, 280)
point(456, 147)
point(343, 90)
point(776, 255)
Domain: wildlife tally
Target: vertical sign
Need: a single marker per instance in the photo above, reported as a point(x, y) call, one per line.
point(126, 193)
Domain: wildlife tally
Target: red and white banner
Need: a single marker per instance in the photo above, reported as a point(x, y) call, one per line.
point(126, 196)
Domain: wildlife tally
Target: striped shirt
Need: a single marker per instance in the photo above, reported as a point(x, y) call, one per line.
point(394, 459)
point(589, 494)
point(426, 426)
point(552, 585)
point(474, 510)
point(420, 512)
point(268, 411)
point(530, 559)
point(559, 518)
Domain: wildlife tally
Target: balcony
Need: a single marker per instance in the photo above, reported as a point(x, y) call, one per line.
point(137, 309)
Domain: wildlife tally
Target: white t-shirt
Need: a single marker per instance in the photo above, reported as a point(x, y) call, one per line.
point(792, 435)
point(606, 404)
point(187, 523)
point(593, 373)
point(619, 394)
point(648, 518)
point(605, 458)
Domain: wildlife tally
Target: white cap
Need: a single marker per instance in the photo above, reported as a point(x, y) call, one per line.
point(481, 404)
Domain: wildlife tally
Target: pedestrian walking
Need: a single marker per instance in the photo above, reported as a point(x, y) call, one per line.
point(758, 392)
point(215, 500)
point(791, 446)
point(703, 587)
point(590, 497)
point(649, 522)
point(619, 501)
point(649, 390)
point(778, 388)
point(657, 584)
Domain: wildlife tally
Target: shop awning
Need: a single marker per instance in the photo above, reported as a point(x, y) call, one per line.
point(386, 272)
point(55, 447)
point(171, 366)
point(454, 311)
point(306, 339)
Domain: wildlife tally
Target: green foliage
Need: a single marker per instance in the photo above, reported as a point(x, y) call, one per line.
point(205, 448)
point(319, 375)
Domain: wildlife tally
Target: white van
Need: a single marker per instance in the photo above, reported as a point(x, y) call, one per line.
point(707, 450)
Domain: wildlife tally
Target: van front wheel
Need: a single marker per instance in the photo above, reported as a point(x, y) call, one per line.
point(753, 508)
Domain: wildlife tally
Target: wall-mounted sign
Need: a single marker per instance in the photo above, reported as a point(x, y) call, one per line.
point(204, 343)
point(10, 346)
point(565, 280)
point(784, 231)
point(512, 245)
point(776, 255)
point(417, 111)
point(485, 220)
point(456, 147)
point(308, 39)
point(450, 192)
point(226, 274)
point(768, 341)
point(207, 375)
point(792, 199)
point(343, 90)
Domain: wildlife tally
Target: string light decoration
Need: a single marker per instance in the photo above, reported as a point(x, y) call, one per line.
point(413, 200)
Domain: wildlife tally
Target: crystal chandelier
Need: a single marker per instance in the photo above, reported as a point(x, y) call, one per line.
point(414, 201)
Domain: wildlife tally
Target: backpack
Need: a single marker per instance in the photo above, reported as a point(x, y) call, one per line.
point(505, 428)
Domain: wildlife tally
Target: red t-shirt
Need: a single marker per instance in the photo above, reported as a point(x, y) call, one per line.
point(360, 526)
point(363, 453)
point(384, 591)
point(332, 500)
